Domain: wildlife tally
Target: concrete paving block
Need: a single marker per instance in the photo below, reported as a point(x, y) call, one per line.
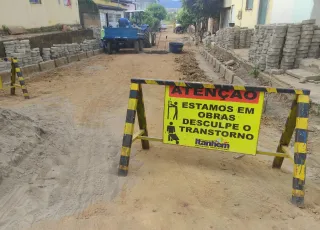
point(222, 70)
point(73, 58)
point(29, 70)
point(315, 40)
point(309, 21)
point(61, 61)
point(5, 76)
point(47, 65)
point(98, 51)
point(229, 76)
point(307, 27)
point(217, 69)
point(303, 74)
point(238, 81)
point(82, 55)
point(214, 62)
point(89, 54)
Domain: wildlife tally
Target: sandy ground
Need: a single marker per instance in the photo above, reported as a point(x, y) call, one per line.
point(65, 173)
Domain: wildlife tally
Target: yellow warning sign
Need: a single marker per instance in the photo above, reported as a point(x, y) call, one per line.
point(219, 119)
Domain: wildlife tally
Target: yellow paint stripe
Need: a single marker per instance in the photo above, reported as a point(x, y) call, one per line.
point(303, 99)
point(26, 95)
point(134, 86)
point(180, 84)
point(299, 171)
point(128, 128)
point(125, 151)
point(301, 123)
point(122, 167)
point(208, 86)
point(132, 104)
point(23, 87)
point(18, 70)
point(20, 78)
point(1, 85)
point(272, 90)
point(237, 87)
point(152, 82)
point(297, 193)
point(300, 147)
point(298, 91)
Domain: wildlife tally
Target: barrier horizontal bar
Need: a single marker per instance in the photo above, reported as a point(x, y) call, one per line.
point(288, 152)
point(273, 154)
point(136, 135)
point(221, 86)
point(150, 138)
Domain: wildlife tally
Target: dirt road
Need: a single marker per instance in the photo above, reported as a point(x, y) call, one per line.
point(62, 171)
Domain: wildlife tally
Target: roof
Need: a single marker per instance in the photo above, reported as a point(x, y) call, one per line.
point(107, 5)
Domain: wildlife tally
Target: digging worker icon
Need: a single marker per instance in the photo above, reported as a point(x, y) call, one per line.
point(173, 106)
point(172, 136)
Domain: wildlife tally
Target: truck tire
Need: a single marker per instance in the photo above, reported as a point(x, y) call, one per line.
point(136, 46)
point(147, 38)
point(141, 45)
point(109, 47)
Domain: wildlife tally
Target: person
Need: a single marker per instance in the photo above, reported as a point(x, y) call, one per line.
point(124, 23)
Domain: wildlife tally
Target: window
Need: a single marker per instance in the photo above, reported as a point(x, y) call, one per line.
point(67, 2)
point(35, 1)
point(249, 5)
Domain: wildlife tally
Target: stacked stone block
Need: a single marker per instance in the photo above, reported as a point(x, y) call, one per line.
point(248, 38)
point(254, 45)
point(243, 38)
point(276, 45)
point(35, 56)
point(291, 45)
point(268, 31)
point(305, 41)
point(315, 44)
point(19, 49)
point(4, 66)
point(236, 32)
point(46, 54)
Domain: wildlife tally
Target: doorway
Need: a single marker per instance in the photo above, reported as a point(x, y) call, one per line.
point(263, 9)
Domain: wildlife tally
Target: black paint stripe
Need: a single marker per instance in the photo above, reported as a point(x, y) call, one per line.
point(127, 140)
point(124, 160)
point(300, 158)
point(297, 184)
point(303, 110)
point(131, 115)
point(133, 94)
point(301, 135)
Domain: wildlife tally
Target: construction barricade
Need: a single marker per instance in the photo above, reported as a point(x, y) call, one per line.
point(15, 73)
point(219, 117)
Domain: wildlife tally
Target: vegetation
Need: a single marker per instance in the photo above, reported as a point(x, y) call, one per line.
point(153, 15)
point(200, 11)
point(186, 18)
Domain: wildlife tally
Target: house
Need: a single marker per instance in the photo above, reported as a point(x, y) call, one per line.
point(248, 13)
point(143, 4)
point(100, 13)
point(38, 13)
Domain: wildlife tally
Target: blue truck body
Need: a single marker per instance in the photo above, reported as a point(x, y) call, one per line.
point(123, 34)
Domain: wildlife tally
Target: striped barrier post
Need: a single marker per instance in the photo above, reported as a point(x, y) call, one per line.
point(17, 72)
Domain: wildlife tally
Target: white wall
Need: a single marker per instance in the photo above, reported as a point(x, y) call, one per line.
point(113, 17)
point(50, 12)
point(291, 11)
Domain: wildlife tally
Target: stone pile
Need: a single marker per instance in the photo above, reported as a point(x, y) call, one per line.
point(305, 41)
point(46, 54)
point(236, 32)
point(275, 47)
point(315, 44)
point(94, 44)
point(243, 38)
point(35, 56)
point(254, 45)
point(249, 38)
point(268, 32)
point(19, 49)
point(4, 66)
point(291, 45)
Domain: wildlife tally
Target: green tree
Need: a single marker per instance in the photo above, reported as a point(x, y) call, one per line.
point(157, 11)
point(186, 18)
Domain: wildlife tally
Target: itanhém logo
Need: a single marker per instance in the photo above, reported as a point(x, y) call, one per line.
point(214, 144)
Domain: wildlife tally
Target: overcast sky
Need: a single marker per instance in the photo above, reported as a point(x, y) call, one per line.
point(171, 3)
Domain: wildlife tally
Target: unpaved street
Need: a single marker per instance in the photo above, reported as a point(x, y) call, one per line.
point(62, 152)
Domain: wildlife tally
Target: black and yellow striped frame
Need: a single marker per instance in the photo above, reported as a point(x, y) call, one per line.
point(16, 73)
point(297, 120)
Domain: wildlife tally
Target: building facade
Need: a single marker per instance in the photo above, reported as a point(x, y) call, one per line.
point(38, 13)
point(248, 13)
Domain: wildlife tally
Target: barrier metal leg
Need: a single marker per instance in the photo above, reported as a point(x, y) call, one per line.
point(142, 118)
point(20, 78)
point(128, 130)
point(287, 134)
point(300, 151)
point(13, 78)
